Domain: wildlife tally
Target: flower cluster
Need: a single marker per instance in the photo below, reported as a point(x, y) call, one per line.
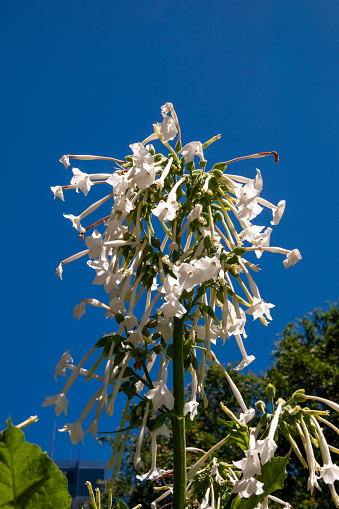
point(215, 485)
point(171, 242)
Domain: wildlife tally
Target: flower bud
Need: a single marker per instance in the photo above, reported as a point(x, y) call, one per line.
point(260, 406)
point(264, 419)
point(299, 396)
point(270, 391)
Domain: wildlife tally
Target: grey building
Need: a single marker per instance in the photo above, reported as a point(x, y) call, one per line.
point(78, 472)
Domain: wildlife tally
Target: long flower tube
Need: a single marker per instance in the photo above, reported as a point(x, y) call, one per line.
point(312, 480)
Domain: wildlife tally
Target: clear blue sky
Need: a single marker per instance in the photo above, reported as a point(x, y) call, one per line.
point(90, 77)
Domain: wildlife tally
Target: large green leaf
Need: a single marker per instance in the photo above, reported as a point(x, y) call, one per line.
point(29, 479)
point(272, 475)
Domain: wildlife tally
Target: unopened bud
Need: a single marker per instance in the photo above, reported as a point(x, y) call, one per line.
point(270, 391)
point(299, 396)
point(260, 406)
point(264, 419)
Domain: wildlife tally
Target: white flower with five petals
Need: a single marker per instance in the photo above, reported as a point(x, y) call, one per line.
point(160, 395)
point(260, 308)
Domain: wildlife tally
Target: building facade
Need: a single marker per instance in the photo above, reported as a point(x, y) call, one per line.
point(78, 472)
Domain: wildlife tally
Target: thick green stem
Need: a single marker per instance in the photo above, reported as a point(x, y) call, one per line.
point(178, 421)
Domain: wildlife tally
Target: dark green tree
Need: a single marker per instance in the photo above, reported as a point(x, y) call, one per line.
point(307, 356)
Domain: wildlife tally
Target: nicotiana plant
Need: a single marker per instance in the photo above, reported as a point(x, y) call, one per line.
point(170, 248)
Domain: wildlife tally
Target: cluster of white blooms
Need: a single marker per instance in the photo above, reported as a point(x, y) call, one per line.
point(251, 464)
point(170, 245)
point(209, 485)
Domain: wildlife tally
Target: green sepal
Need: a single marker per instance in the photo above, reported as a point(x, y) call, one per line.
point(239, 251)
point(217, 173)
point(155, 242)
point(219, 166)
point(207, 242)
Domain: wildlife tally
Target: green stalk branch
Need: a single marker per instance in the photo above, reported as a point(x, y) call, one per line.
point(178, 421)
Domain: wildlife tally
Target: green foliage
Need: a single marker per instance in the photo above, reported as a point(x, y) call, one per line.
point(29, 479)
point(307, 356)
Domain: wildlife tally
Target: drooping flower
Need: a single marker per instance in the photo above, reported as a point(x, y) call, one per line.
point(141, 155)
point(197, 272)
point(115, 229)
point(160, 395)
point(262, 240)
point(60, 368)
point(249, 192)
point(267, 447)
point(120, 183)
point(167, 129)
point(260, 308)
point(59, 400)
point(247, 487)
point(329, 472)
point(152, 475)
point(245, 362)
point(144, 176)
point(250, 465)
point(312, 481)
point(123, 204)
point(166, 108)
point(194, 148)
point(81, 181)
point(58, 193)
point(278, 212)
point(195, 213)
point(105, 275)
point(165, 327)
point(161, 181)
point(95, 244)
point(117, 306)
point(292, 258)
point(75, 222)
point(191, 407)
point(165, 211)
point(75, 431)
point(246, 416)
point(250, 233)
point(80, 310)
point(65, 161)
